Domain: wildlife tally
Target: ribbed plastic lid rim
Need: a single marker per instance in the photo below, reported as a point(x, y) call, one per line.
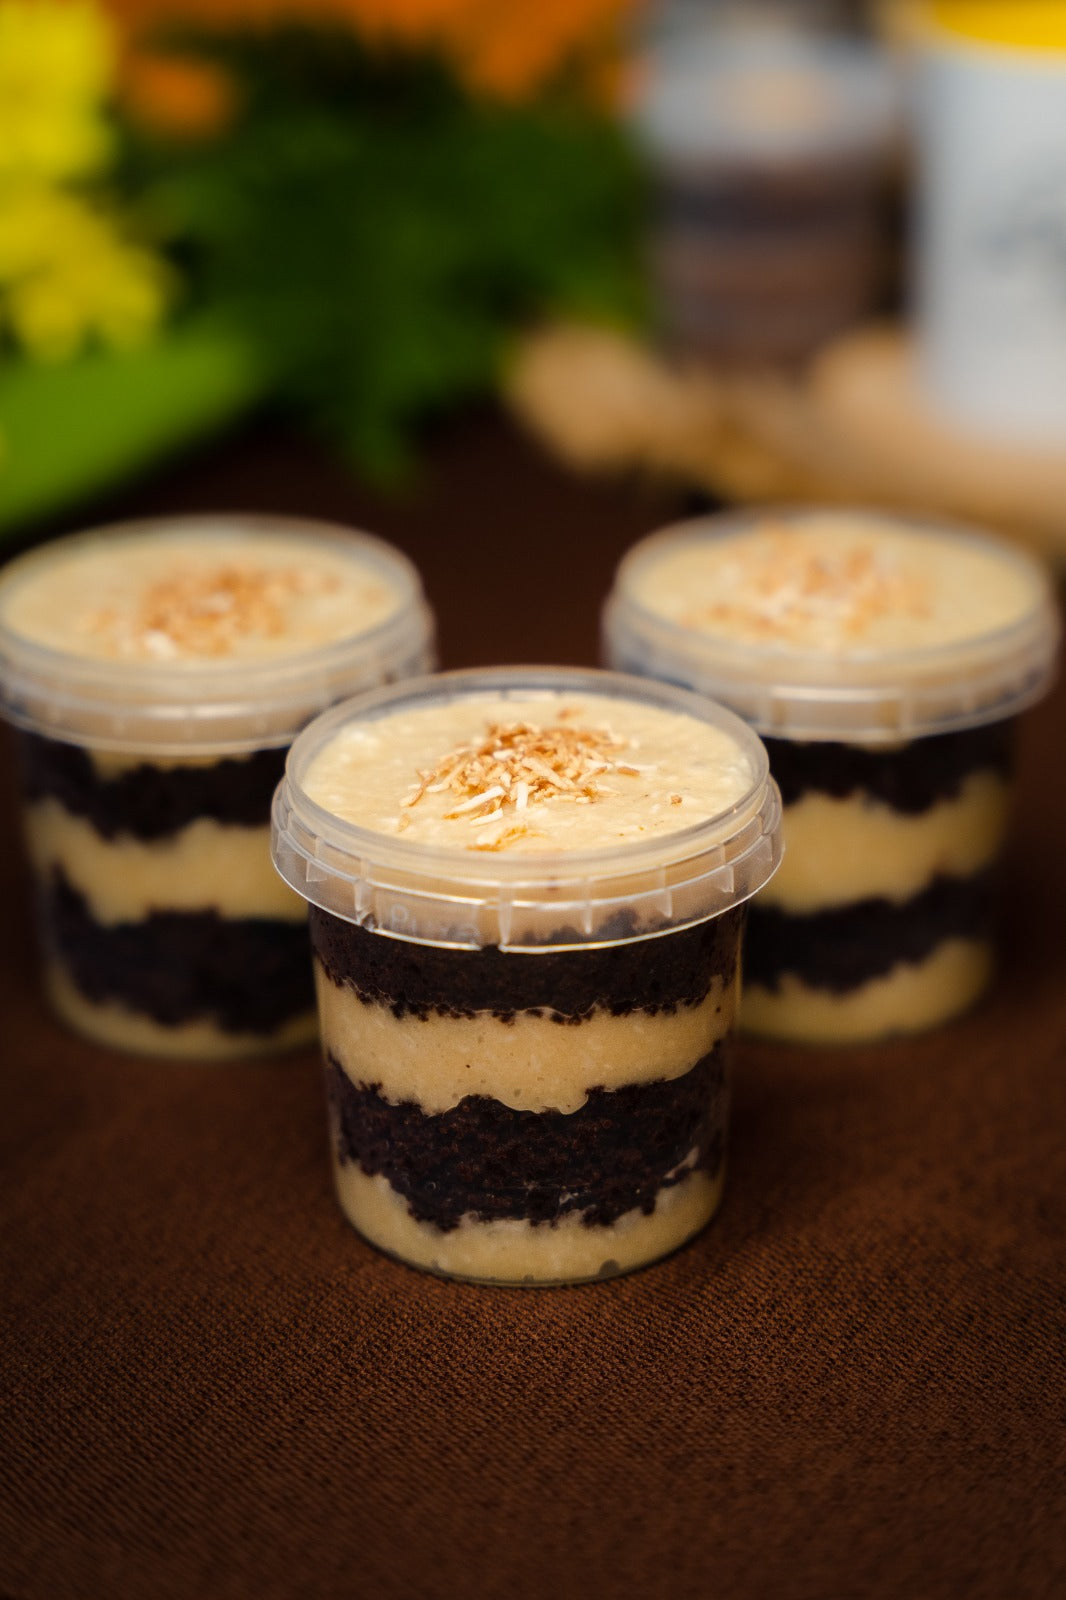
point(676, 880)
point(202, 709)
point(886, 696)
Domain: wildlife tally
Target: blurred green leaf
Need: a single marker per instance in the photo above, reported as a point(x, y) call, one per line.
point(69, 431)
point(383, 235)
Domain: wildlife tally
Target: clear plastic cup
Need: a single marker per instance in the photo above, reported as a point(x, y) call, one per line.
point(885, 663)
point(527, 893)
point(156, 673)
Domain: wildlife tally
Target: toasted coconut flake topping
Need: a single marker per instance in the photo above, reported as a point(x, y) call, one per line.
point(498, 779)
point(207, 612)
point(782, 585)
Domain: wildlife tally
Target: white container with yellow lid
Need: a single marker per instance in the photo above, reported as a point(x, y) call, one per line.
point(989, 265)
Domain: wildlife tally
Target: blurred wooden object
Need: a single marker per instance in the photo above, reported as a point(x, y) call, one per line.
point(853, 426)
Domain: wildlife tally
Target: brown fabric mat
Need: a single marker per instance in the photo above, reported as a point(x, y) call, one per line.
point(852, 1385)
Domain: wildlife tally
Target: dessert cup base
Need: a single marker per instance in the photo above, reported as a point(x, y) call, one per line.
point(516, 1254)
point(116, 1026)
point(909, 999)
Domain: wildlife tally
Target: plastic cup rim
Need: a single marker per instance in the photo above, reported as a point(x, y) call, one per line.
point(543, 868)
point(803, 674)
point(161, 695)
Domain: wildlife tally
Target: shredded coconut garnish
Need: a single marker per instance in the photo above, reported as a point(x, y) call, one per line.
point(207, 612)
point(779, 585)
point(516, 766)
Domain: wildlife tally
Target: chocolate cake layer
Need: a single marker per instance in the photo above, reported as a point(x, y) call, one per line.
point(149, 801)
point(843, 949)
point(644, 975)
point(613, 1155)
point(248, 975)
point(910, 777)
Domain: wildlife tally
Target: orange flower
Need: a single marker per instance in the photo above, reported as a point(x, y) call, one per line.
point(176, 95)
point(509, 48)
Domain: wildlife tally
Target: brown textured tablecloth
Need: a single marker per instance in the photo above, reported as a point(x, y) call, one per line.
point(853, 1384)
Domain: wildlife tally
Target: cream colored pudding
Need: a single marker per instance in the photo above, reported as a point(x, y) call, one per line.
point(851, 848)
point(883, 922)
point(131, 887)
point(911, 997)
point(125, 879)
point(544, 774)
point(510, 1252)
point(884, 662)
point(842, 851)
point(546, 1103)
point(158, 672)
point(839, 588)
point(205, 594)
point(517, 1061)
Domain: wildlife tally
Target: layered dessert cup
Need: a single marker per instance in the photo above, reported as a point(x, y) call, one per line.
point(156, 674)
point(527, 893)
point(885, 664)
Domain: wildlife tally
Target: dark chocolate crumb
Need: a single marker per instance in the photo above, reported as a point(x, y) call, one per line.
point(909, 778)
point(615, 1154)
point(247, 975)
point(844, 948)
point(150, 801)
point(655, 975)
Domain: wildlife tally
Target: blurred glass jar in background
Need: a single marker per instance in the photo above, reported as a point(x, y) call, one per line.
point(771, 138)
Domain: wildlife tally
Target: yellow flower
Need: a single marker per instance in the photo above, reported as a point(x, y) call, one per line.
point(69, 274)
point(57, 62)
point(69, 271)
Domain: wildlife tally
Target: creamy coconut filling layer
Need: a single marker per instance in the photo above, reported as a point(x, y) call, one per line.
point(204, 865)
point(185, 593)
point(544, 772)
point(111, 1023)
point(839, 850)
point(528, 1062)
point(510, 1251)
point(909, 998)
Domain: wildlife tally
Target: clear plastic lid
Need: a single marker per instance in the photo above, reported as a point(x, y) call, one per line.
point(839, 641)
point(208, 704)
point(548, 899)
